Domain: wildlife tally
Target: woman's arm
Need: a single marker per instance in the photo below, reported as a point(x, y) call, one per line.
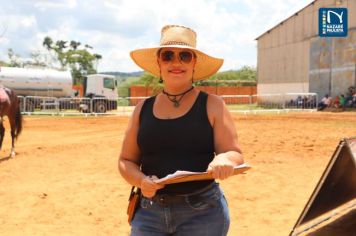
point(129, 159)
point(227, 150)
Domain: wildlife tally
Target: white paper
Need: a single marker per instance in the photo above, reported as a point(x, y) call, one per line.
point(182, 173)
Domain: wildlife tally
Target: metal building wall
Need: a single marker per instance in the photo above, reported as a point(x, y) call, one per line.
point(333, 64)
point(293, 58)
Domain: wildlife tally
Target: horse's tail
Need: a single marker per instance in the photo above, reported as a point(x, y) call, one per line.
point(18, 122)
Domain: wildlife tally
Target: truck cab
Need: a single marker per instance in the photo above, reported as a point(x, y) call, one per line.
point(102, 89)
point(99, 85)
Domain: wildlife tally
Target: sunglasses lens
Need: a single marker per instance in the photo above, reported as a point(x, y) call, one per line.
point(167, 56)
point(186, 56)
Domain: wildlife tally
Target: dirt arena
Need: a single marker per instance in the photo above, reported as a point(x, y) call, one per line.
point(64, 179)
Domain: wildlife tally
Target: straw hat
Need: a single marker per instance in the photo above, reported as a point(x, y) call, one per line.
point(176, 36)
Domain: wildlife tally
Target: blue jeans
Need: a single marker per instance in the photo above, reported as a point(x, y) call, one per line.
point(204, 214)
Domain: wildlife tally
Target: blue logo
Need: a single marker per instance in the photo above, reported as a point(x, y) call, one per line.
point(333, 22)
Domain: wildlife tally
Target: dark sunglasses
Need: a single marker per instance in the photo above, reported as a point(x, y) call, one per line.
point(184, 56)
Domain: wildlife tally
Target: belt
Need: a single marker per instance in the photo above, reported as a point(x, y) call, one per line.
point(168, 199)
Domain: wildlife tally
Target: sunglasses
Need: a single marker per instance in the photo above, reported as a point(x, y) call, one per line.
point(184, 56)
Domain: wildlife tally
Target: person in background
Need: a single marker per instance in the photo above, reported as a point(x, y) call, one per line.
point(342, 101)
point(181, 128)
point(324, 103)
point(336, 102)
point(350, 100)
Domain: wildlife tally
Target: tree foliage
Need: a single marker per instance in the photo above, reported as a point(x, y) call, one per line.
point(149, 80)
point(79, 59)
point(37, 60)
point(14, 59)
point(246, 76)
point(3, 63)
point(71, 56)
point(246, 73)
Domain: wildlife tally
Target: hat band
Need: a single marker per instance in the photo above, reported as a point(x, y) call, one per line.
point(176, 43)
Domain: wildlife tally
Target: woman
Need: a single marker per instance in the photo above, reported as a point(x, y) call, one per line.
point(179, 129)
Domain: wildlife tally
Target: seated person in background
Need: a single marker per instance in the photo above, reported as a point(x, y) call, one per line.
point(339, 101)
point(336, 102)
point(342, 100)
point(350, 100)
point(324, 103)
point(299, 101)
point(353, 103)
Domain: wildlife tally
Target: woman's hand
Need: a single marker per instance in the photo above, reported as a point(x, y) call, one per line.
point(221, 167)
point(149, 187)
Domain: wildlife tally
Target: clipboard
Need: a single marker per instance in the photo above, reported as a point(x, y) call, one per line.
point(186, 176)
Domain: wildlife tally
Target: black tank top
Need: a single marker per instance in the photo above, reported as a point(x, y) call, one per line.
point(183, 143)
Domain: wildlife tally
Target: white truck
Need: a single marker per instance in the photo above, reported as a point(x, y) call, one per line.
point(30, 83)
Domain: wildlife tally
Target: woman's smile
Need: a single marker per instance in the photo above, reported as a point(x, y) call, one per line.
point(176, 71)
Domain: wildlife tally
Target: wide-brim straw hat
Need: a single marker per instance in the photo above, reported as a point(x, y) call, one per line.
point(176, 36)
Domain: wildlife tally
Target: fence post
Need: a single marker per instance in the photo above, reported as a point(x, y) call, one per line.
point(250, 101)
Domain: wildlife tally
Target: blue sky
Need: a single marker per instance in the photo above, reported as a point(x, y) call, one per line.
point(225, 28)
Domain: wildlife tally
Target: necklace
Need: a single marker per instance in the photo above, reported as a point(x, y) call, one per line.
point(176, 98)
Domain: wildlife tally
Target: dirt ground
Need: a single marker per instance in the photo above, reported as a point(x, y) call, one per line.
point(64, 179)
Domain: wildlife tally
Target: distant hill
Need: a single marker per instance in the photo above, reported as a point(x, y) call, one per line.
point(123, 74)
point(245, 76)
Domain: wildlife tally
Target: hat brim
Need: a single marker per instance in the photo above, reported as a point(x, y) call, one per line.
point(205, 66)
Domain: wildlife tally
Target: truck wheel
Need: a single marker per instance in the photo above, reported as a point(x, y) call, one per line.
point(86, 111)
point(100, 107)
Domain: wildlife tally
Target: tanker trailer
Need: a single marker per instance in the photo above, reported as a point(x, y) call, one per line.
point(37, 82)
point(29, 82)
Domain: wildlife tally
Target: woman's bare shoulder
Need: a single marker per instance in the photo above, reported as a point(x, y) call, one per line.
point(215, 103)
point(138, 108)
point(215, 108)
point(215, 98)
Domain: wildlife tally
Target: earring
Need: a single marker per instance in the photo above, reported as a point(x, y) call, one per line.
point(193, 77)
point(160, 77)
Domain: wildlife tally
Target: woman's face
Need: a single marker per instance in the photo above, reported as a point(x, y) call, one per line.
point(177, 65)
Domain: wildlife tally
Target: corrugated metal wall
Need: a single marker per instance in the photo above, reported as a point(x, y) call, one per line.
point(293, 58)
point(332, 64)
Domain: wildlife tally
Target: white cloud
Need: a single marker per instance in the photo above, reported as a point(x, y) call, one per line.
point(43, 5)
point(226, 28)
point(4, 41)
point(28, 21)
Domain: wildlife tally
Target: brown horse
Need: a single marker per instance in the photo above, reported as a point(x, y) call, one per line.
point(10, 107)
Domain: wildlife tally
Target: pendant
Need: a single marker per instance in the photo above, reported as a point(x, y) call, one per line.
point(176, 104)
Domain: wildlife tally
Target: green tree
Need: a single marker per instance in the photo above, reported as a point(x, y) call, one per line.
point(248, 73)
point(74, 44)
point(246, 76)
point(149, 80)
point(3, 63)
point(80, 60)
point(15, 59)
point(37, 60)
